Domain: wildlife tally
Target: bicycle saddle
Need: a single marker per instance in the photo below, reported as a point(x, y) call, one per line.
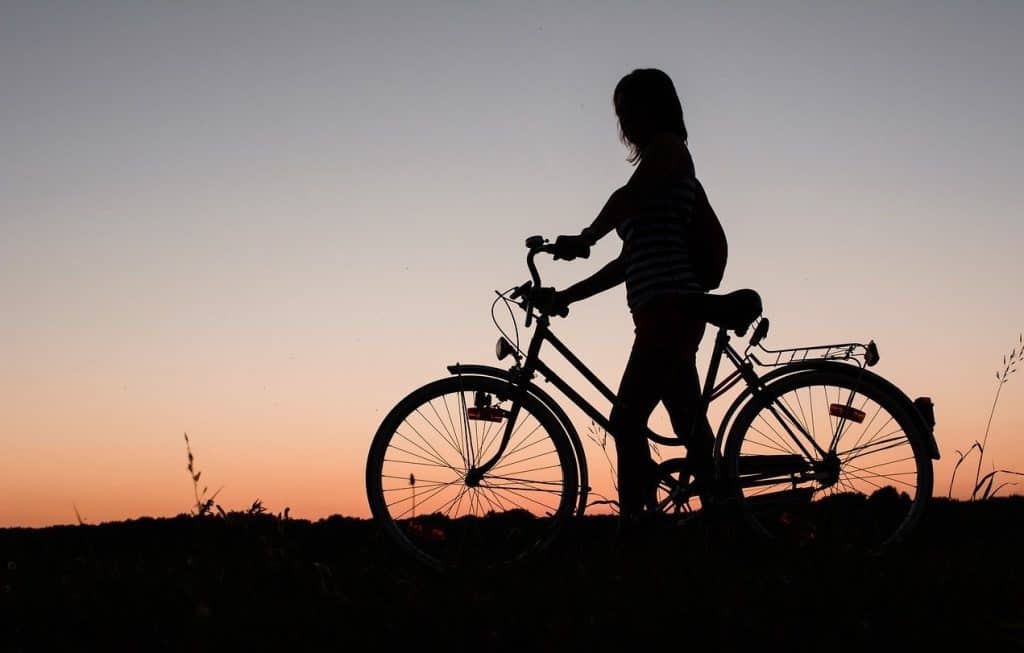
point(734, 311)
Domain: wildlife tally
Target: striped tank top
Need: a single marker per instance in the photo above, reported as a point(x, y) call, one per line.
point(656, 247)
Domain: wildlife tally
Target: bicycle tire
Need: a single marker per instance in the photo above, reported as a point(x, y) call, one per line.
point(868, 490)
point(516, 510)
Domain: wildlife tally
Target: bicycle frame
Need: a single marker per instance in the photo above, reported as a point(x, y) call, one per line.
point(525, 370)
point(713, 388)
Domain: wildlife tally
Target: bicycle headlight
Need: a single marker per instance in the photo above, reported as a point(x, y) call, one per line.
point(502, 348)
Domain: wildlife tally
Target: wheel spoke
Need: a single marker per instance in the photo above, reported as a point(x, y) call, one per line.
point(779, 440)
point(778, 409)
point(421, 500)
point(436, 457)
point(455, 503)
point(515, 479)
point(801, 425)
point(496, 497)
point(843, 421)
point(410, 462)
point(455, 432)
point(526, 439)
point(867, 474)
point(768, 446)
point(448, 438)
point(420, 482)
point(528, 498)
point(519, 425)
point(803, 416)
point(490, 438)
point(467, 430)
point(505, 464)
point(864, 431)
point(870, 448)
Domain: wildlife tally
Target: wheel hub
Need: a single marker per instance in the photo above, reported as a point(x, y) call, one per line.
point(827, 471)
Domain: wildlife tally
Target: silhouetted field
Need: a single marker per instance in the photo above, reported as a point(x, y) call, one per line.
point(216, 584)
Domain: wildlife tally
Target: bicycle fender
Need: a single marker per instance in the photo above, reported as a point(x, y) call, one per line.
point(549, 402)
point(840, 368)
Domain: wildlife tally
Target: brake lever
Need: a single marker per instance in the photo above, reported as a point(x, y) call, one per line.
point(521, 290)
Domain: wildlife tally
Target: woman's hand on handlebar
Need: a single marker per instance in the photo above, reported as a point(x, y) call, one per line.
point(550, 302)
point(570, 247)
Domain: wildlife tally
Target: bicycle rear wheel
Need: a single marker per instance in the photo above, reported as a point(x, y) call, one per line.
point(830, 456)
point(421, 491)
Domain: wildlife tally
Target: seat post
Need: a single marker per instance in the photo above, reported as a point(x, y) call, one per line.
point(721, 340)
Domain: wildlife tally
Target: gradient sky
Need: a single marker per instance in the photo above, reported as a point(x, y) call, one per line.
point(264, 223)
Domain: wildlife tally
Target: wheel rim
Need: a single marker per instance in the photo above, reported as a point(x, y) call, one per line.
point(447, 516)
point(866, 484)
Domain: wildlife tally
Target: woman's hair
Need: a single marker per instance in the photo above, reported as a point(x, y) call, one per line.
point(646, 103)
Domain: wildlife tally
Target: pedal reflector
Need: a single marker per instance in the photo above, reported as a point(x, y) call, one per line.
point(846, 412)
point(486, 413)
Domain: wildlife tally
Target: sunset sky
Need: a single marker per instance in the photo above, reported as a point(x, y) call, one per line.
point(264, 223)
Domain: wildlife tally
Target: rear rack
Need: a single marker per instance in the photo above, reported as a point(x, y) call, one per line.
point(849, 351)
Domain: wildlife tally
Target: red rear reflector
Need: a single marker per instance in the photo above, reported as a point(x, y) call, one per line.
point(486, 413)
point(847, 412)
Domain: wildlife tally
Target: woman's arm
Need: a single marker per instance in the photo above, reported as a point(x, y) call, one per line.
point(607, 277)
point(660, 159)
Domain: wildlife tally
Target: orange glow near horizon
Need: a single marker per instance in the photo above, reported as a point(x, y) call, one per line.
point(302, 447)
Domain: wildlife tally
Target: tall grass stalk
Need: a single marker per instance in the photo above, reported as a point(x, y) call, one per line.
point(204, 504)
point(1010, 362)
point(599, 436)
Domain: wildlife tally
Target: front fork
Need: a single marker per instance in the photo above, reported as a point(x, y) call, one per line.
point(476, 472)
point(521, 376)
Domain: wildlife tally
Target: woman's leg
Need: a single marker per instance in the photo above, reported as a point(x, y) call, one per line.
point(682, 398)
point(638, 394)
point(655, 363)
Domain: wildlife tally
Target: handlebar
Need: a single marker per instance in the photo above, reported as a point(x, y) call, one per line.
point(536, 245)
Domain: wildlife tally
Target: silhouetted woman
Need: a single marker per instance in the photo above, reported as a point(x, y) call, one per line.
point(651, 214)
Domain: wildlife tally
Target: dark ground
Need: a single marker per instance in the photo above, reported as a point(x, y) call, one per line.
point(256, 582)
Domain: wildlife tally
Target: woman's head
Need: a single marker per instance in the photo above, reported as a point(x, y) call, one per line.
point(646, 104)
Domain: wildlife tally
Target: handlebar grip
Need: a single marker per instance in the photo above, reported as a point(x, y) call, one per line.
point(535, 242)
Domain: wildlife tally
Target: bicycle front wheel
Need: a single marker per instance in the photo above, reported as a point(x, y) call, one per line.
point(422, 487)
point(831, 456)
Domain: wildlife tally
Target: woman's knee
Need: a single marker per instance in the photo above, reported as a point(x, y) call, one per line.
point(628, 432)
point(625, 421)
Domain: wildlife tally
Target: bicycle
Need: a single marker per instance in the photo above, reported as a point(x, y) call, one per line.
point(484, 468)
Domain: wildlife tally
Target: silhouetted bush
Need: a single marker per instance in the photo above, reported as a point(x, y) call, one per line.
point(211, 583)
